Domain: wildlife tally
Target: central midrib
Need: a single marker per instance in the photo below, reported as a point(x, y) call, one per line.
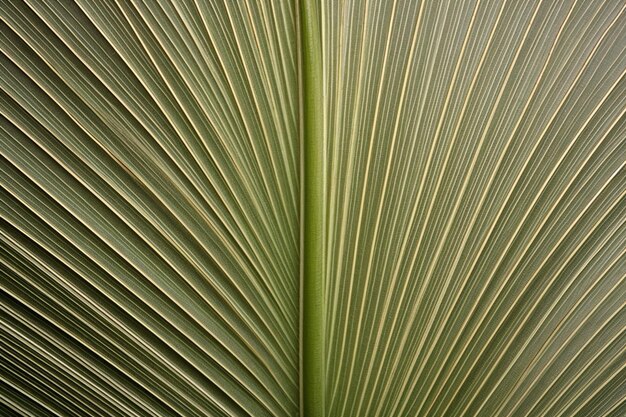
point(312, 205)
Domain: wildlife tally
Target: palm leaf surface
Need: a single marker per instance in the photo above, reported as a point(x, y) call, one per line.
point(473, 207)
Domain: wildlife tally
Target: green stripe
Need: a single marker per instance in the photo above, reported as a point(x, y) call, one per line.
point(313, 215)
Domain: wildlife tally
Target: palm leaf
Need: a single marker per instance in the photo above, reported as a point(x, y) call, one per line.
point(363, 208)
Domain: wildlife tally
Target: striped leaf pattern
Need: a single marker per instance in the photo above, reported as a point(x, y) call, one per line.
point(474, 224)
point(150, 195)
point(476, 211)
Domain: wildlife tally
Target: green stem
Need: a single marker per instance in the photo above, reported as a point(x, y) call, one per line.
point(312, 311)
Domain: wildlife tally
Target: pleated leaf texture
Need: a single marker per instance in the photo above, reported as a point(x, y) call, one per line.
point(154, 202)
